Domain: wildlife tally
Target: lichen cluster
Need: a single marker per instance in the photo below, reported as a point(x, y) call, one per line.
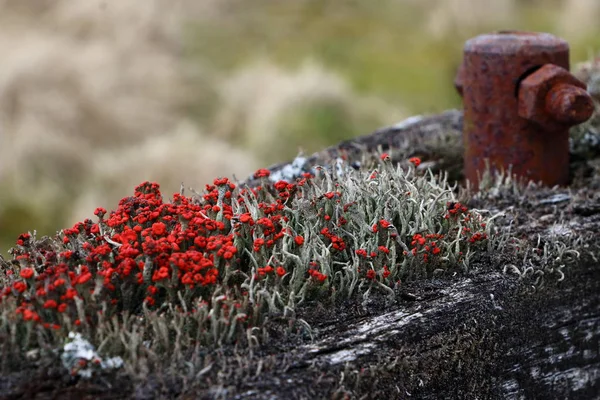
point(212, 269)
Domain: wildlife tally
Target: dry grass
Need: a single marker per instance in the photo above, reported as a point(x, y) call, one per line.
point(263, 104)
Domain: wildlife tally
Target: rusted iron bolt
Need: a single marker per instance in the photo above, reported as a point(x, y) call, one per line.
point(554, 99)
point(519, 102)
point(569, 104)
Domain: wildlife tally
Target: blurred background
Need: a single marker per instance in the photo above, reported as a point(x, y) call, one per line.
point(97, 96)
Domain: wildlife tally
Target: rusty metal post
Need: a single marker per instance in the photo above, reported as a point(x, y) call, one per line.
point(519, 102)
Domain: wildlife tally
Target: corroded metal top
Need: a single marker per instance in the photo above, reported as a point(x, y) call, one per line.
point(510, 43)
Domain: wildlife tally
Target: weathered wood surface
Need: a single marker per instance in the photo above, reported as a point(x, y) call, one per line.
point(476, 337)
point(479, 337)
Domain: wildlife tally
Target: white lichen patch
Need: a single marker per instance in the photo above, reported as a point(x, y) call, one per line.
point(559, 230)
point(408, 122)
point(80, 357)
point(577, 378)
point(290, 172)
point(347, 355)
